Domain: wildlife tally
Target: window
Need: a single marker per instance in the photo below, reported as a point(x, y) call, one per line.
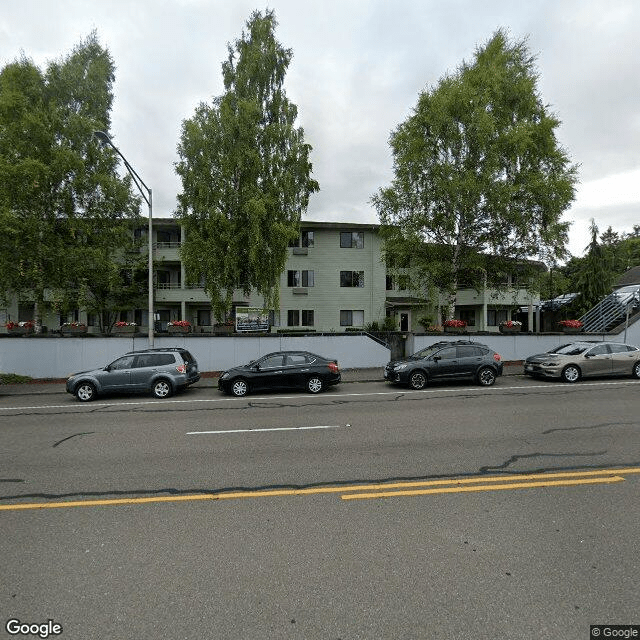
point(271, 362)
point(389, 283)
point(155, 360)
point(600, 350)
point(352, 278)
point(300, 278)
point(470, 352)
point(469, 316)
point(620, 348)
point(305, 239)
point(296, 359)
point(350, 318)
point(204, 317)
point(122, 363)
point(496, 316)
point(293, 318)
point(450, 353)
point(307, 317)
point(352, 239)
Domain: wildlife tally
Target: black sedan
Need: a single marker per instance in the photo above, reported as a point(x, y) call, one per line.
point(281, 370)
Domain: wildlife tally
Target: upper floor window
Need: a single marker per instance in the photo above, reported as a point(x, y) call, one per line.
point(352, 239)
point(305, 239)
point(352, 278)
point(300, 278)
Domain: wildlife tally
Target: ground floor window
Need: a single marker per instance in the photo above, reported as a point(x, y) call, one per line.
point(469, 316)
point(496, 316)
point(204, 317)
point(295, 315)
point(351, 318)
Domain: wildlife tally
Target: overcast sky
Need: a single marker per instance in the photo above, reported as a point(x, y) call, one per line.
point(358, 68)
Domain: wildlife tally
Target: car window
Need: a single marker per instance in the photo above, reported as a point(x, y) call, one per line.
point(469, 351)
point(296, 359)
point(125, 362)
point(186, 356)
point(601, 349)
point(570, 349)
point(620, 348)
point(155, 359)
point(450, 353)
point(271, 362)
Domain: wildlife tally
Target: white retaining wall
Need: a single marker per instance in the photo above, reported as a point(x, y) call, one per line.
point(43, 357)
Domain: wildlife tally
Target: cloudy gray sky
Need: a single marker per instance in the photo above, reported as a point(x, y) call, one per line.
point(357, 71)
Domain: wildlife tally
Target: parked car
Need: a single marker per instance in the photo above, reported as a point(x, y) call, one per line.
point(446, 360)
point(159, 371)
point(281, 370)
point(582, 359)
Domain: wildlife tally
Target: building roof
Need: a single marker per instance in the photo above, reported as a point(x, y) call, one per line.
point(631, 276)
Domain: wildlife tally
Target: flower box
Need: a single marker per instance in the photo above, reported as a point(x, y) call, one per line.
point(19, 331)
point(514, 329)
point(125, 330)
point(178, 329)
point(571, 329)
point(454, 329)
point(73, 330)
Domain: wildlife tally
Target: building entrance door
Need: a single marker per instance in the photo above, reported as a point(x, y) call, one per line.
point(404, 322)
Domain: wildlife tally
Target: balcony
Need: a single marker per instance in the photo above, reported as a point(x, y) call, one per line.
point(167, 251)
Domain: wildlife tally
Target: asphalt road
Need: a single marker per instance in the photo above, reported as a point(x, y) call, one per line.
point(366, 512)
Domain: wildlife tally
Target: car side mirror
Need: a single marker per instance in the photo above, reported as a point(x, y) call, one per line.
point(256, 367)
point(108, 368)
point(436, 358)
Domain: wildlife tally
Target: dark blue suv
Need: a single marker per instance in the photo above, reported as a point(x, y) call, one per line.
point(446, 360)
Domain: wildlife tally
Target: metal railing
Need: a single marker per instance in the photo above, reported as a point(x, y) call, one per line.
point(612, 311)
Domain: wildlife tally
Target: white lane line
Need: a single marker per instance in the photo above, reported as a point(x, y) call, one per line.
point(275, 398)
point(332, 426)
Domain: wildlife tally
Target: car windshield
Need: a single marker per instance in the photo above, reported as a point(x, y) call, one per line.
point(570, 349)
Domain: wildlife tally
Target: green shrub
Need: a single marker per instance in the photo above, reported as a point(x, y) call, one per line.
point(14, 378)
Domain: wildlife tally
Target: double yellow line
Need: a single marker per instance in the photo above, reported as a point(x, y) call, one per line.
point(370, 491)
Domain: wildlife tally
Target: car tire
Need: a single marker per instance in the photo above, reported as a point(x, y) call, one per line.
point(486, 376)
point(239, 387)
point(85, 392)
point(418, 380)
point(162, 389)
point(636, 370)
point(315, 384)
point(571, 373)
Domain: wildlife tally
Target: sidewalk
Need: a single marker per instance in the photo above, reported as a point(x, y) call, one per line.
point(44, 387)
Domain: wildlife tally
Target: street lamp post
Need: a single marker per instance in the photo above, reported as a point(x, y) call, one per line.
point(148, 198)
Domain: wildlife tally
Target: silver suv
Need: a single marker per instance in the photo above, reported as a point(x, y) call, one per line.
point(159, 371)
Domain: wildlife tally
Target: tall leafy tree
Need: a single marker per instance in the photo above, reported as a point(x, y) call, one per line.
point(245, 172)
point(478, 172)
point(596, 273)
point(61, 201)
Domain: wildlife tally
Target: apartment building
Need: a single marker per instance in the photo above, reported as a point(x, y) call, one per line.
point(335, 280)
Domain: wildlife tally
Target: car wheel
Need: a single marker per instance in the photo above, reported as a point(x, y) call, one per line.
point(85, 392)
point(571, 373)
point(486, 376)
point(162, 389)
point(315, 384)
point(239, 388)
point(636, 370)
point(418, 380)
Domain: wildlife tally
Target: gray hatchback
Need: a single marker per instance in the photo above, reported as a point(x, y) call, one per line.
point(159, 371)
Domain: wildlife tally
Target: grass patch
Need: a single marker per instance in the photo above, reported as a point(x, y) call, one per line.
point(14, 378)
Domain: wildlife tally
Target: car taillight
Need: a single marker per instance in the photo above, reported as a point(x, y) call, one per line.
point(496, 357)
point(333, 367)
point(182, 368)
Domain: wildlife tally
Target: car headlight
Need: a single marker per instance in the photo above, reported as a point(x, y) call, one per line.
point(400, 367)
point(224, 375)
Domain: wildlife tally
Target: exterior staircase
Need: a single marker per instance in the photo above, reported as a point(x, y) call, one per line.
point(612, 311)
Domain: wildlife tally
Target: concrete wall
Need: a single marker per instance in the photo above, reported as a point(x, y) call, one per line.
point(521, 345)
point(43, 357)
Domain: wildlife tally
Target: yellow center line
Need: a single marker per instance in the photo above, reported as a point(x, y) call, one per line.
point(487, 487)
point(438, 486)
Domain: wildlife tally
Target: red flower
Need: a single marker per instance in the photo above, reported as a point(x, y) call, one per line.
point(573, 324)
point(460, 324)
